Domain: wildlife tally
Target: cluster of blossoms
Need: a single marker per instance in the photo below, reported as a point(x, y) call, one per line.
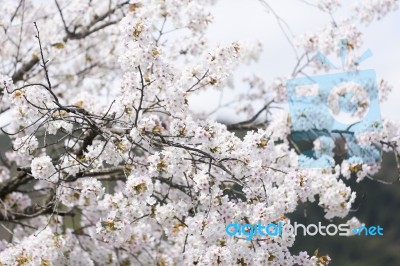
point(370, 10)
point(43, 168)
point(329, 5)
point(133, 176)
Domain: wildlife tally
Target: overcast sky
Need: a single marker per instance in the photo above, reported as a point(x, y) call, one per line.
point(249, 20)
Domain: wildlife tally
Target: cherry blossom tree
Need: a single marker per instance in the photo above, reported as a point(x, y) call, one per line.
point(109, 163)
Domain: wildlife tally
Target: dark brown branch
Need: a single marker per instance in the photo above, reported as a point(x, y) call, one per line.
point(244, 124)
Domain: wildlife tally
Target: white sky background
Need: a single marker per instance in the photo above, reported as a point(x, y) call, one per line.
point(249, 20)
